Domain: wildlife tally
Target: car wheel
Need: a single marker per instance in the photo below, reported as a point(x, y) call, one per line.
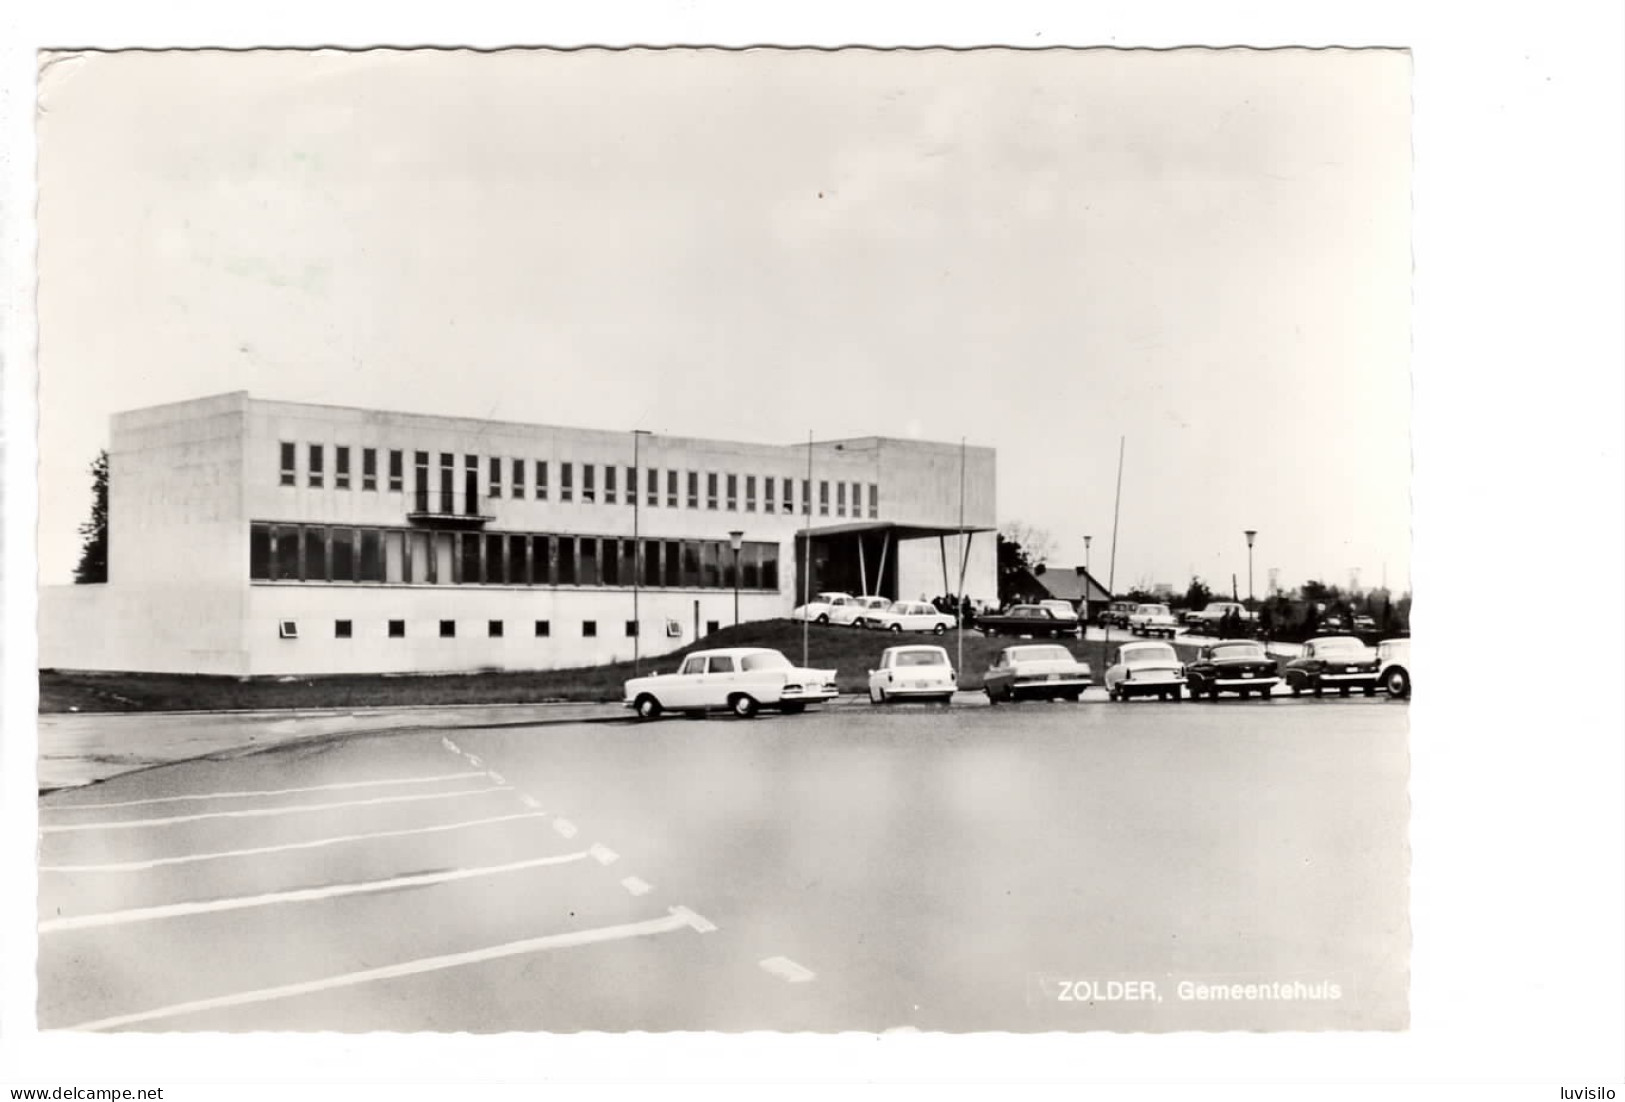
point(1317, 689)
point(876, 695)
point(794, 708)
point(992, 698)
point(1369, 690)
point(855, 624)
point(1266, 694)
point(1295, 686)
point(822, 619)
point(939, 629)
point(1244, 693)
point(1343, 691)
point(647, 707)
point(1177, 693)
point(990, 631)
point(895, 627)
point(743, 705)
point(1398, 683)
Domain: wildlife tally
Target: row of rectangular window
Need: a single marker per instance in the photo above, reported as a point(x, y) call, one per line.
point(494, 629)
point(340, 553)
point(783, 501)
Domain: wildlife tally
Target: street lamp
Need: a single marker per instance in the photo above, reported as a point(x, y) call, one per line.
point(736, 539)
point(1083, 612)
point(1250, 533)
point(637, 557)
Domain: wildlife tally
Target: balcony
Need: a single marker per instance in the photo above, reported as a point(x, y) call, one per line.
point(448, 509)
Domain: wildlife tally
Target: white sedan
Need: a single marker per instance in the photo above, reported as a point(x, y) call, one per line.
point(912, 673)
point(852, 613)
point(1146, 669)
point(818, 608)
point(740, 679)
point(1046, 671)
point(910, 616)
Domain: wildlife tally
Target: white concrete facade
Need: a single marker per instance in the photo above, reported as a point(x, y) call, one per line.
point(215, 542)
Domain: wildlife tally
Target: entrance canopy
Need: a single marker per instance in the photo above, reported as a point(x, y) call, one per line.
point(857, 556)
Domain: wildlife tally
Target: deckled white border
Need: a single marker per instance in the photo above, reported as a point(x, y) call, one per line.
point(1517, 831)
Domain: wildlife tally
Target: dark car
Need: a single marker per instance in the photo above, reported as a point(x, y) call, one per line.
point(1242, 667)
point(1338, 662)
point(1034, 620)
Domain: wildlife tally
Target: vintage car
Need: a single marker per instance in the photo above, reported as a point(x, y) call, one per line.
point(912, 673)
point(818, 608)
point(1145, 669)
point(1117, 613)
point(1208, 620)
point(1394, 667)
point(1338, 662)
point(740, 679)
point(1063, 610)
point(851, 613)
point(909, 616)
point(1036, 671)
point(1153, 620)
point(1034, 620)
point(1241, 667)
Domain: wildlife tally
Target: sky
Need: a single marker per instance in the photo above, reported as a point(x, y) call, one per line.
point(1203, 254)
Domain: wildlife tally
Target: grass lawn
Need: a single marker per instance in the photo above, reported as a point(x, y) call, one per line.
point(851, 651)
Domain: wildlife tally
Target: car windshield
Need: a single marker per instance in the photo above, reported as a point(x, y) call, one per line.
point(1041, 654)
point(768, 660)
point(921, 658)
point(1239, 650)
point(875, 602)
point(1340, 646)
point(1150, 654)
point(1154, 610)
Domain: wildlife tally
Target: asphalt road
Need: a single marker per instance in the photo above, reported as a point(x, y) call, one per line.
point(1017, 868)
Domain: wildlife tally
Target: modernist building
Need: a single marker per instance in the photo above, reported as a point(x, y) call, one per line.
point(256, 537)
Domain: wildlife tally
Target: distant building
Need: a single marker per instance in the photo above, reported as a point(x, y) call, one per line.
point(255, 537)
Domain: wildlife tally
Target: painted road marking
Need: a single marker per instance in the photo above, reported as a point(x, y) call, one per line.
point(603, 854)
point(529, 801)
point(475, 760)
point(271, 791)
point(786, 969)
point(676, 920)
point(695, 920)
point(565, 827)
point(636, 886)
point(260, 812)
point(302, 895)
point(495, 776)
point(135, 866)
point(449, 745)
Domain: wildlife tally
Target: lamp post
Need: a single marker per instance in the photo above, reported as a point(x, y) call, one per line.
point(637, 558)
point(736, 539)
point(1083, 612)
point(1250, 533)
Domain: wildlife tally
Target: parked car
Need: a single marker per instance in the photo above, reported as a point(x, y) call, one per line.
point(1364, 624)
point(1034, 620)
point(1145, 669)
point(909, 616)
point(1338, 662)
point(1117, 613)
point(1207, 621)
point(740, 679)
point(912, 673)
point(818, 608)
point(1063, 611)
point(1153, 620)
point(1394, 667)
point(1043, 671)
point(1242, 668)
point(851, 613)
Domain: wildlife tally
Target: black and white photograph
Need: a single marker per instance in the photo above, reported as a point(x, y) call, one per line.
point(724, 540)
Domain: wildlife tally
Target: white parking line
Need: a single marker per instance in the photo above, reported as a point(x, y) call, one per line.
point(136, 866)
point(449, 745)
point(694, 920)
point(635, 886)
point(565, 827)
point(475, 760)
point(260, 812)
point(676, 920)
point(495, 776)
point(603, 854)
point(786, 969)
point(269, 792)
point(303, 895)
point(529, 801)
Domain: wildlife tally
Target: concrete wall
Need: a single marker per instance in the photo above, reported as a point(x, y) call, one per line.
point(370, 608)
point(156, 629)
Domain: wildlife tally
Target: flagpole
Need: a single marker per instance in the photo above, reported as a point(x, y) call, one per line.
point(806, 552)
point(959, 598)
point(1111, 577)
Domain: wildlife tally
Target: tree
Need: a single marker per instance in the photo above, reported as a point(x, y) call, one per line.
point(1198, 595)
point(1022, 549)
point(92, 566)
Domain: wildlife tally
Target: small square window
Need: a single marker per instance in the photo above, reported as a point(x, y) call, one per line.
point(589, 629)
point(342, 629)
point(631, 629)
point(712, 627)
point(544, 629)
point(287, 629)
point(397, 629)
point(448, 629)
point(493, 628)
